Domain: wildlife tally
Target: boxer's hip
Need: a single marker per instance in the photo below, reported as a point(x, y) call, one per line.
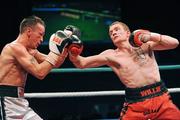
point(11, 91)
point(139, 94)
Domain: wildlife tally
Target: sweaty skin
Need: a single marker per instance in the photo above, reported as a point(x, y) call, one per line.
point(21, 57)
point(18, 57)
point(12, 73)
point(135, 66)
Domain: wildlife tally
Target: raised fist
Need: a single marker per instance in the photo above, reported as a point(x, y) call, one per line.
point(138, 37)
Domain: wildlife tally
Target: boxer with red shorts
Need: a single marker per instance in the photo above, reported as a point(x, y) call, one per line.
point(151, 102)
point(134, 63)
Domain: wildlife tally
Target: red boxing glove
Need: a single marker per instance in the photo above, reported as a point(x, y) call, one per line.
point(75, 49)
point(137, 38)
point(75, 46)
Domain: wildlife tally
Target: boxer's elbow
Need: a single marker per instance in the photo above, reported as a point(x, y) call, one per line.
point(169, 43)
point(79, 66)
point(40, 75)
point(176, 43)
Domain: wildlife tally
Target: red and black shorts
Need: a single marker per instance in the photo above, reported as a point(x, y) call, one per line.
point(149, 102)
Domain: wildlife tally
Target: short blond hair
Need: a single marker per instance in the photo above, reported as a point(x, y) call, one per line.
point(121, 23)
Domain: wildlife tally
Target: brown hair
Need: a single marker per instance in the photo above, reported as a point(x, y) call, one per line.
point(30, 22)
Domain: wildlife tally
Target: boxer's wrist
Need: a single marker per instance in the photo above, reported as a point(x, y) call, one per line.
point(156, 37)
point(52, 58)
point(73, 58)
point(160, 38)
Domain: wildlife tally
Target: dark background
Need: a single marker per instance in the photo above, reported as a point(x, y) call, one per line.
point(157, 16)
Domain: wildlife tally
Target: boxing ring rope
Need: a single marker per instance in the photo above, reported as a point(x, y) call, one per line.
point(92, 93)
point(83, 94)
point(105, 69)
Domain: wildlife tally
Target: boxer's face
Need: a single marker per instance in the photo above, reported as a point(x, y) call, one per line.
point(117, 33)
point(36, 35)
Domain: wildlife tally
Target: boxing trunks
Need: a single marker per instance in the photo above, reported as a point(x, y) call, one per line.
point(13, 105)
point(151, 102)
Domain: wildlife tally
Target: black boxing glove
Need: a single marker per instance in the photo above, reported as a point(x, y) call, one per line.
point(75, 46)
point(138, 37)
point(74, 30)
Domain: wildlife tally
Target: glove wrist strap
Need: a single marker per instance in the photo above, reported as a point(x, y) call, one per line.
point(52, 58)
